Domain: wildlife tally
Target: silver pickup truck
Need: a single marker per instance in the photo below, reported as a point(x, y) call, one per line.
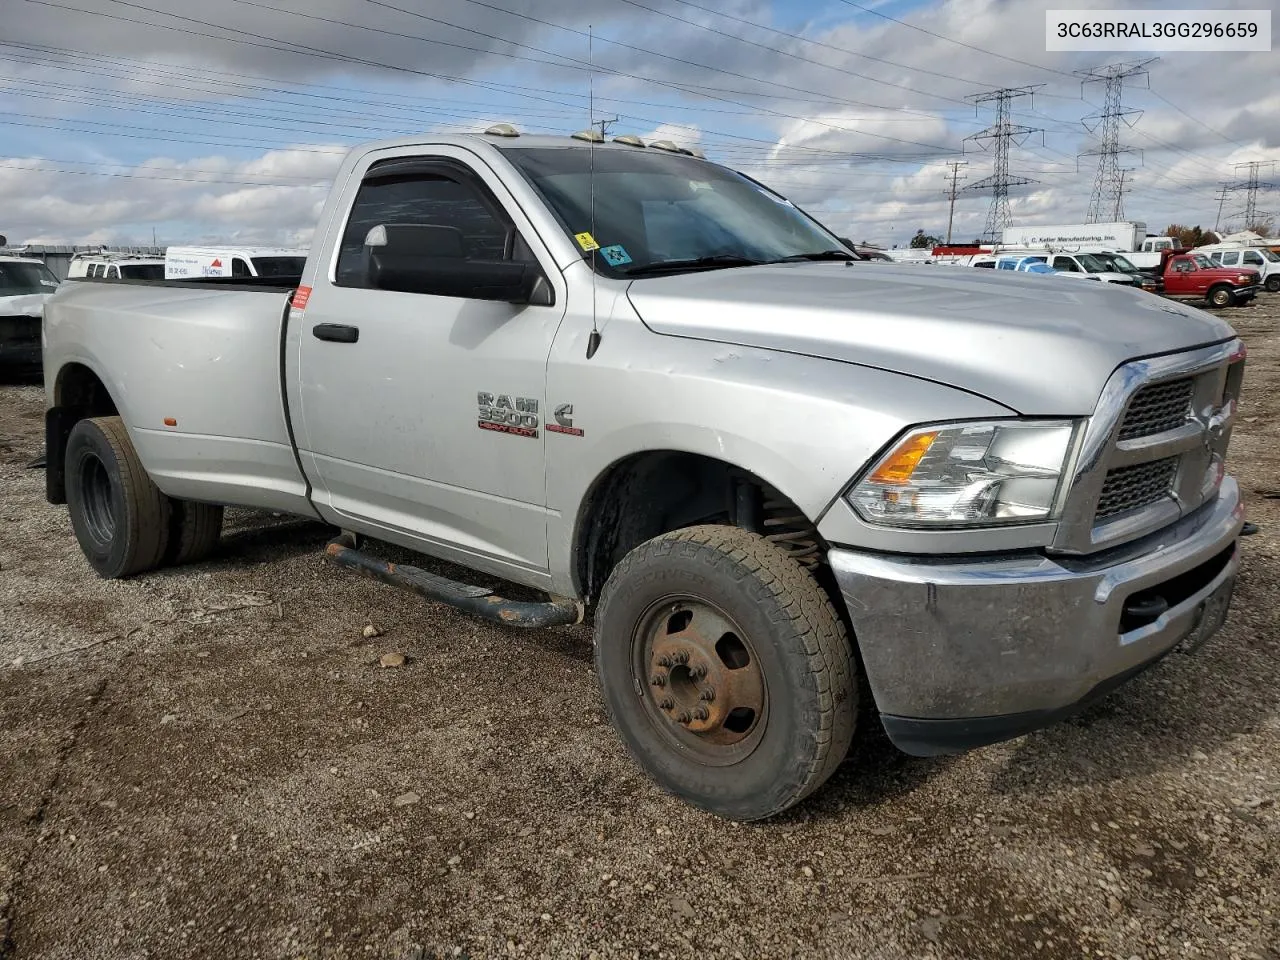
point(778, 478)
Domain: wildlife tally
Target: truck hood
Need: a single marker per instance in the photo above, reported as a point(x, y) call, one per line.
point(26, 305)
point(1034, 344)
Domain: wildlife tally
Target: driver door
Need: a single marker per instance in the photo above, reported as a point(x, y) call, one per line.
point(396, 389)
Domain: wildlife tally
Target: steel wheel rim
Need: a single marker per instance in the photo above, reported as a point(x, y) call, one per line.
point(97, 501)
point(700, 680)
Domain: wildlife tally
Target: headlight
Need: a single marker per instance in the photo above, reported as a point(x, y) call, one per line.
point(968, 474)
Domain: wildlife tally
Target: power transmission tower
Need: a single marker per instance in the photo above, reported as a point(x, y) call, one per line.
point(1117, 211)
point(1105, 197)
point(1250, 184)
point(997, 138)
point(953, 191)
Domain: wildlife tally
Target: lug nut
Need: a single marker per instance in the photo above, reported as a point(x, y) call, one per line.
point(685, 717)
point(658, 680)
point(700, 713)
point(699, 671)
point(666, 703)
point(707, 695)
point(682, 657)
point(665, 661)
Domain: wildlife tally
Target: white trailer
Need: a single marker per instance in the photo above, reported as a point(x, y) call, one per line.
point(1121, 236)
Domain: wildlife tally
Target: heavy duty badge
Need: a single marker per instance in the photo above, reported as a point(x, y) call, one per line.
point(564, 421)
point(501, 413)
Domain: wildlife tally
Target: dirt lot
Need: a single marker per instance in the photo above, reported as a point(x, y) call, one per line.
point(209, 762)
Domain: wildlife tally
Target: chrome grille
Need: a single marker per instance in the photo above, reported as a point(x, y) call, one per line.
point(1157, 408)
point(1139, 485)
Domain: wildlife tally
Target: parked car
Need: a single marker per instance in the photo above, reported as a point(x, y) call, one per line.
point(1025, 265)
point(181, 263)
point(1193, 276)
point(659, 392)
point(1262, 260)
point(25, 286)
point(1092, 266)
point(110, 266)
point(1118, 263)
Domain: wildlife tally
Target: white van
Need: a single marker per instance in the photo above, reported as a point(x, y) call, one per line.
point(1261, 259)
point(183, 263)
point(115, 266)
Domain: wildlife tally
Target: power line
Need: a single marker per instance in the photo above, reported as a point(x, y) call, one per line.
point(1107, 182)
point(999, 137)
point(958, 43)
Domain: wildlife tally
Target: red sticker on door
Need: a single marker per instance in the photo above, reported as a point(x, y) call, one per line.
point(300, 298)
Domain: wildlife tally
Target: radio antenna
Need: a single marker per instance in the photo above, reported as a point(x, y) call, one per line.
point(593, 341)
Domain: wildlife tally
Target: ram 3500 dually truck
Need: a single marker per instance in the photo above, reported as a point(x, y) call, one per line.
point(659, 392)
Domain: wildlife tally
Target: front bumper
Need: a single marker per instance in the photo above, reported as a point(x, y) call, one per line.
point(962, 652)
point(20, 341)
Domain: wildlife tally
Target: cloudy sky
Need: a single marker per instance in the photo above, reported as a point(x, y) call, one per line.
point(207, 120)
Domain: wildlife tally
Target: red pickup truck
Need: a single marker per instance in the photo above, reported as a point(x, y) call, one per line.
point(1193, 276)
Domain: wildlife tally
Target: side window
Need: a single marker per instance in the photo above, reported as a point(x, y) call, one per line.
point(93, 269)
point(1230, 259)
point(1252, 256)
point(1065, 263)
point(114, 272)
point(426, 198)
point(239, 268)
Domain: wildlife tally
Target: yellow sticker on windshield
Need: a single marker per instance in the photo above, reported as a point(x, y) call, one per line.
point(586, 241)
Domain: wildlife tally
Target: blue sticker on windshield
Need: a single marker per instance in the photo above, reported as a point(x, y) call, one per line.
point(616, 255)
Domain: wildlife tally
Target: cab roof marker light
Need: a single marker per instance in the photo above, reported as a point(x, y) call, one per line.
point(664, 145)
point(502, 130)
point(590, 136)
point(695, 152)
point(630, 139)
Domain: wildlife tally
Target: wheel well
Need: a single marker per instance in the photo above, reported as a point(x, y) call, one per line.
point(78, 393)
point(79, 388)
point(652, 493)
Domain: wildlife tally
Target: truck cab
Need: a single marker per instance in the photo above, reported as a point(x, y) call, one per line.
point(109, 266)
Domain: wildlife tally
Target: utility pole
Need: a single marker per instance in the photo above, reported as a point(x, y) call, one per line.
point(953, 191)
point(1108, 181)
point(1250, 184)
point(998, 138)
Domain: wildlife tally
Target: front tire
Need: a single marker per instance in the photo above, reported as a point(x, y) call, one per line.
point(1273, 283)
point(1221, 297)
point(120, 517)
point(726, 670)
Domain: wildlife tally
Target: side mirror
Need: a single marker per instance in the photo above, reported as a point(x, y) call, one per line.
point(431, 259)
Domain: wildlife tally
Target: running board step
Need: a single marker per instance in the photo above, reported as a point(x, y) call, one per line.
point(479, 601)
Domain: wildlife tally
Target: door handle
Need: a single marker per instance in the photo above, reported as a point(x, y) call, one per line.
point(336, 332)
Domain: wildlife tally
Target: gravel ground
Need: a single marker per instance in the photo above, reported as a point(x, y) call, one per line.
point(210, 762)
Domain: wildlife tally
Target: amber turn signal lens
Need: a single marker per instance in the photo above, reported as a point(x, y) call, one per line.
point(902, 463)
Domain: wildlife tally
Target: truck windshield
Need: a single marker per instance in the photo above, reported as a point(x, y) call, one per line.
point(1116, 262)
point(18, 278)
point(279, 266)
point(658, 212)
point(1203, 262)
point(142, 271)
point(1092, 264)
point(1270, 256)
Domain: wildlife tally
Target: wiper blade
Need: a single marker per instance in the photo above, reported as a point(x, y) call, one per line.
point(820, 255)
point(694, 263)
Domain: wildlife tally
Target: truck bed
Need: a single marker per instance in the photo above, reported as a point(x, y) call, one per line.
point(195, 369)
